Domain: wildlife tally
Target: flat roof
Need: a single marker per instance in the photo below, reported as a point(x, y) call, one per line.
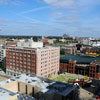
point(5, 94)
point(49, 47)
point(79, 59)
point(46, 85)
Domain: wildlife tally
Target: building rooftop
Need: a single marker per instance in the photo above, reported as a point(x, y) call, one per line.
point(83, 59)
point(38, 48)
point(96, 62)
point(5, 94)
point(46, 86)
point(94, 48)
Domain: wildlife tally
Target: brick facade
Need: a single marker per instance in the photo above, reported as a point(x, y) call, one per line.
point(40, 61)
point(70, 67)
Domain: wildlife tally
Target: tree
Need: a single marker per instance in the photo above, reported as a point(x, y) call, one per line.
point(62, 52)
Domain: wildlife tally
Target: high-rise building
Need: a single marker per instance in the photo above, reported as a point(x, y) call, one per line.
point(32, 57)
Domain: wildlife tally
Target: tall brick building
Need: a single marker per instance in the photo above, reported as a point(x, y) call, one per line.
point(25, 58)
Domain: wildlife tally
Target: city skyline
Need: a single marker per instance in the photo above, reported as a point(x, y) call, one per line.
point(50, 17)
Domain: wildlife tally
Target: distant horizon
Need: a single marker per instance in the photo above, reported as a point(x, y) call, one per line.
point(43, 36)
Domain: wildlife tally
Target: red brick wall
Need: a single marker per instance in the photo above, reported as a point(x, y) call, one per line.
point(70, 67)
point(21, 60)
point(92, 70)
point(63, 66)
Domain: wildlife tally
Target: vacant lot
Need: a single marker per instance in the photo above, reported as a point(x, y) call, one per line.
point(86, 95)
point(67, 76)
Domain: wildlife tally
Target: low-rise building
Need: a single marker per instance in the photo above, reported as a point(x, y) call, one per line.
point(70, 50)
point(92, 50)
point(31, 87)
point(94, 69)
point(81, 64)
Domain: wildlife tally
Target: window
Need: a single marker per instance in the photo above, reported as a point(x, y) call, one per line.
point(28, 55)
point(10, 63)
point(24, 58)
point(20, 65)
point(24, 70)
point(25, 55)
point(29, 67)
point(24, 62)
point(25, 66)
point(17, 68)
point(28, 71)
point(17, 64)
point(28, 59)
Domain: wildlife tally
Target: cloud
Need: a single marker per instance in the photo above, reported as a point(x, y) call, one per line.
point(34, 21)
point(27, 18)
point(35, 9)
point(3, 2)
point(70, 17)
point(61, 3)
point(76, 4)
point(89, 2)
point(11, 2)
point(17, 3)
point(89, 31)
point(3, 20)
point(68, 20)
point(24, 22)
point(3, 25)
point(71, 24)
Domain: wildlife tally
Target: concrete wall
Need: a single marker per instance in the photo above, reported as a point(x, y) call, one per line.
point(22, 87)
point(12, 86)
point(30, 44)
point(28, 89)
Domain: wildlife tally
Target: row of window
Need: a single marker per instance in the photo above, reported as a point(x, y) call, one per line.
point(21, 55)
point(20, 50)
point(21, 67)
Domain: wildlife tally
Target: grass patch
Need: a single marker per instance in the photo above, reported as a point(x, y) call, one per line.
point(64, 78)
point(62, 56)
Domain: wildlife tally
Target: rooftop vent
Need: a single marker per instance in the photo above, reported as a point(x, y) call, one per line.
point(32, 75)
point(7, 81)
point(33, 80)
point(11, 94)
point(29, 81)
point(17, 77)
point(12, 79)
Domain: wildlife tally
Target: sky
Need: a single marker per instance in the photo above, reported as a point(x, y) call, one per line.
point(50, 17)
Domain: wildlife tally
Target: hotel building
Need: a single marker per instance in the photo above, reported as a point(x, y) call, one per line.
point(32, 57)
